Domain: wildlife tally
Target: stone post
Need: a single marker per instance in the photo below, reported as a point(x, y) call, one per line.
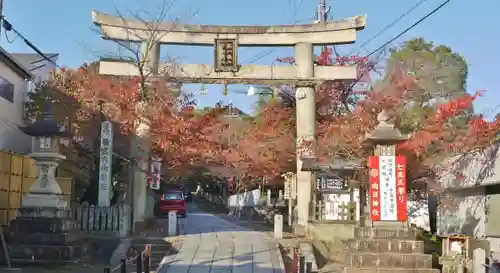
point(479, 260)
point(306, 128)
point(172, 223)
point(278, 226)
point(384, 139)
point(143, 198)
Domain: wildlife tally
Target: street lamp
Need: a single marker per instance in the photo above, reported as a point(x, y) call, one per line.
point(251, 91)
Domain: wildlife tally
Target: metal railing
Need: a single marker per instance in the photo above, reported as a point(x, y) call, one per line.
point(141, 260)
point(299, 262)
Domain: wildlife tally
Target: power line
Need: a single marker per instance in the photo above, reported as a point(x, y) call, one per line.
point(410, 27)
point(296, 9)
point(271, 50)
point(393, 23)
point(322, 15)
point(398, 36)
point(9, 27)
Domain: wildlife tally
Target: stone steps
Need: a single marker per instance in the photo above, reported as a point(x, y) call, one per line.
point(382, 249)
point(385, 245)
point(370, 259)
point(400, 233)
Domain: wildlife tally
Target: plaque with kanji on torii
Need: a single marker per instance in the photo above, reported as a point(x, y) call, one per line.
point(388, 197)
point(226, 55)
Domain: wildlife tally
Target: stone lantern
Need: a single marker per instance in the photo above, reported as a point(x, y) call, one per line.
point(45, 192)
point(44, 230)
point(383, 139)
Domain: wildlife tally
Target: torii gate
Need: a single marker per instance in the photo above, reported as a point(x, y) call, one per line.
point(226, 70)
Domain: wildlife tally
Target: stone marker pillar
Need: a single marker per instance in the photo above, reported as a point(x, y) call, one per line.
point(44, 231)
point(172, 223)
point(268, 198)
point(278, 226)
point(306, 129)
point(384, 139)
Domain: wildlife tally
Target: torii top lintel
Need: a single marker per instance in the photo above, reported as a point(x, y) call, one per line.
point(330, 33)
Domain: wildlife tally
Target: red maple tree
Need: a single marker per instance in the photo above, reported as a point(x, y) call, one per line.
point(182, 136)
point(270, 146)
point(341, 132)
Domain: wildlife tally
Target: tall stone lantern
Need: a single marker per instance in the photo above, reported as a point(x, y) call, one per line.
point(44, 230)
point(45, 192)
point(383, 139)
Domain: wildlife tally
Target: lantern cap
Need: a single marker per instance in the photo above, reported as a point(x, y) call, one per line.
point(385, 131)
point(44, 126)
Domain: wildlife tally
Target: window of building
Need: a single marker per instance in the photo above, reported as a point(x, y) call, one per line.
point(6, 89)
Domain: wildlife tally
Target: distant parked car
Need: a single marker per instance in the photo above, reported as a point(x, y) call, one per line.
point(172, 200)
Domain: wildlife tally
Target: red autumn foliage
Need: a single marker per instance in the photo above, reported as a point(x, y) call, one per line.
point(268, 146)
point(181, 136)
point(342, 135)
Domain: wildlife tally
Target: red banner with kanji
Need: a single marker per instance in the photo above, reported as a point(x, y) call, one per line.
point(402, 204)
point(230, 185)
point(388, 198)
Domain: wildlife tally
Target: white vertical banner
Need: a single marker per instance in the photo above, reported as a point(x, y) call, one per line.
point(290, 186)
point(105, 160)
point(155, 180)
point(388, 194)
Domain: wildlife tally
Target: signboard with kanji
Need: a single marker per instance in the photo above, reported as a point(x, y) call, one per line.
point(290, 186)
point(155, 180)
point(226, 55)
point(105, 189)
point(388, 198)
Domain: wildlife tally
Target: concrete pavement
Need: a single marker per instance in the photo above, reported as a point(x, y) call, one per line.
point(211, 244)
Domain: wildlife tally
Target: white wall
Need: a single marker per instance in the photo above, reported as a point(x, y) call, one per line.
point(471, 207)
point(469, 218)
point(11, 115)
point(246, 199)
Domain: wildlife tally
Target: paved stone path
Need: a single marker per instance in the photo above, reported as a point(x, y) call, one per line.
point(213, 245)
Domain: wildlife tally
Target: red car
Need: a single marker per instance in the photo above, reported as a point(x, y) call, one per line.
point(173, 201)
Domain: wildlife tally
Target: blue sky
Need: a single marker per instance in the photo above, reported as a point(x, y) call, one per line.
point(468, 27)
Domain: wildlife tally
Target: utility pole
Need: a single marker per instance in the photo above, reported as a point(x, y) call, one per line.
point(322, 15)
point(1, 18)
